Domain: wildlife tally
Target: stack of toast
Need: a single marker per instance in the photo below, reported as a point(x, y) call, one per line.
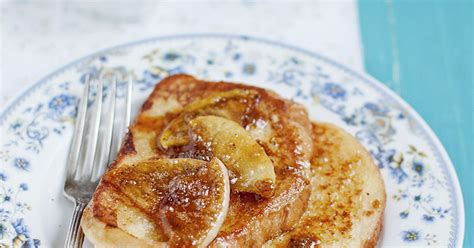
point(230, 165)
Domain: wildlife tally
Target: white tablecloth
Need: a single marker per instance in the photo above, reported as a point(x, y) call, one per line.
point(38, 37)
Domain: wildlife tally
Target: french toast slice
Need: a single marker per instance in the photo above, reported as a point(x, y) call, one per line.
point(279, 126)
point(348, 198)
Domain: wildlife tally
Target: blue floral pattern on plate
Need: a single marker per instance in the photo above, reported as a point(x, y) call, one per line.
point(424, 205)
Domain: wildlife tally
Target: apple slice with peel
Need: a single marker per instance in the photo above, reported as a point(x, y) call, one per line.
point(195, 205)
point(251, 168)
point(178, 202)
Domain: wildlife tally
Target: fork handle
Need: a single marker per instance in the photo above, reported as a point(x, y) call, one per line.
point(75, 237)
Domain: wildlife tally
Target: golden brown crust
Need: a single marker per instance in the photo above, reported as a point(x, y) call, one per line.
point(270, 223)
point(374, 237)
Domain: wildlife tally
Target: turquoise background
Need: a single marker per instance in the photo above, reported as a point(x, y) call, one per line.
point(423, 50)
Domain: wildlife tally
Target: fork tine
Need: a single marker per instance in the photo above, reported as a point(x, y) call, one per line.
point(106, 136)
point(78, 131)
point(129, 101)
point(87, 165)
point(124, 121)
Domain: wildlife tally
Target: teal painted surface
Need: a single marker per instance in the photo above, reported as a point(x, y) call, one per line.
point(423, 50)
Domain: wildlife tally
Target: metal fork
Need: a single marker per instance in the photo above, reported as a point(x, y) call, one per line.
point(93, 147)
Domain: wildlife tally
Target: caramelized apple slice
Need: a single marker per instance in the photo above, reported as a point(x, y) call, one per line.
point(195, 205)
point(229, 104)
point(180, 201)
point(252, 170)
point(145, 182)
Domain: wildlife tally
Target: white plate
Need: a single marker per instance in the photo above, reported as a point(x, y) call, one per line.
point(425, 206)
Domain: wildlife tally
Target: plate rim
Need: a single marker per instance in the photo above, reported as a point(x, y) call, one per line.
point(426, 130)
